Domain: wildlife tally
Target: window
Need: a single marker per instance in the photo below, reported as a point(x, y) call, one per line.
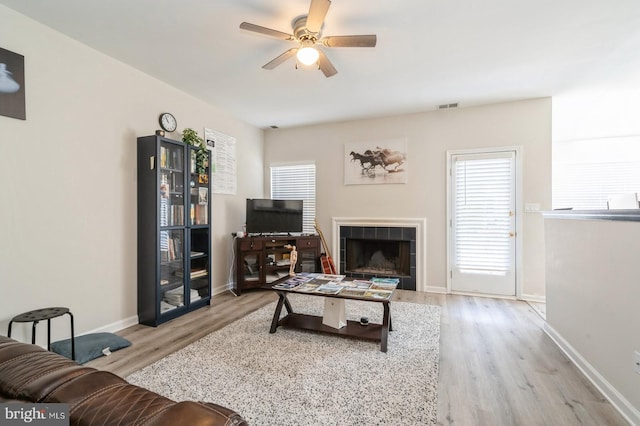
point(587, 172)
point(296, 182)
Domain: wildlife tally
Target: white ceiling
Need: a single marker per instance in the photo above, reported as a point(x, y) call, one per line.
point(429, 52)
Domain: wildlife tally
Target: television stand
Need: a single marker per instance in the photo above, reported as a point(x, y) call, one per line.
point(263, 259)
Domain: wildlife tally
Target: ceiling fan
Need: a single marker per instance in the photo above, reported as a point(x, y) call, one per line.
point(307, 33)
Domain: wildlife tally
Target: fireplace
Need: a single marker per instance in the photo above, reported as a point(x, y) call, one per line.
point(379, 257)
point(381, 248)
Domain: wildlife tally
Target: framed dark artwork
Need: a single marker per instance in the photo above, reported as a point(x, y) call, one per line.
point(12, 90)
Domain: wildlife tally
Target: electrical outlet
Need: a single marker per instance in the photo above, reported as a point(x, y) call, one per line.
point(531, 207)
point(636, 361)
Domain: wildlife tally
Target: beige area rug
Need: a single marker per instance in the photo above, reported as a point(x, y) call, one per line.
point(295, 377)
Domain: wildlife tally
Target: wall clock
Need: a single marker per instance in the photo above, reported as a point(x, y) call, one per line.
point(168, 122)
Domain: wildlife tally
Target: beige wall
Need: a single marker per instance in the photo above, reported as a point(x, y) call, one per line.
point(68, 173)
point(592, 302)
point(68, 217)
point(430, 135)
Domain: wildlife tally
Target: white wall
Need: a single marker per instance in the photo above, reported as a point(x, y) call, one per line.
point(68, 173)
point(429, 135)
point(592, 302)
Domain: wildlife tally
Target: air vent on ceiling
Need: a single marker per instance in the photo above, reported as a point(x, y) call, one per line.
point(445, 106)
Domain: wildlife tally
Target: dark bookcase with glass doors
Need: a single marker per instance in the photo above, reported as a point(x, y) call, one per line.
point(174, 230)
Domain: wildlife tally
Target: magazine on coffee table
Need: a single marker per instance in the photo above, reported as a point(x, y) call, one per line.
point(381, 280)
point(353, 292)
point(362, 283)
point(292, 282)
point(381, 286)
point(320, 281)
point(307, 287)
point(378, 294)
point(329, 288)
point(287, 285)
point(330, 277)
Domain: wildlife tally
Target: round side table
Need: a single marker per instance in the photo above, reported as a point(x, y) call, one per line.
point(45, 314)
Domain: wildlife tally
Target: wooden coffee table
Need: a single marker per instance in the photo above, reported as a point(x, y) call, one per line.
point(372, 331)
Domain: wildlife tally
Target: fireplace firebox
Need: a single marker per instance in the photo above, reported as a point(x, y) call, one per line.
point(379, 251)
point(382, 257)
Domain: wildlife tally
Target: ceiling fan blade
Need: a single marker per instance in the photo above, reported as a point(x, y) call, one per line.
point(350, 41)
point(317, 12)
point(325, 65)
point(266, 31)
point(280, 59)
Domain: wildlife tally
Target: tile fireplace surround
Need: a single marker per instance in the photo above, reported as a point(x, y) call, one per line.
point(411, 230)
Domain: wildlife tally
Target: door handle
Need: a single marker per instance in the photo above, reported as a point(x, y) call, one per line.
point(512, 234)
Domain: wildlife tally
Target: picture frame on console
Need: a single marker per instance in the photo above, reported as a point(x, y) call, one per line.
point(376, 162)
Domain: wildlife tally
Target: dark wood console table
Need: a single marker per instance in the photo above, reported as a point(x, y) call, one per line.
point(371, 331)
point(261, 260)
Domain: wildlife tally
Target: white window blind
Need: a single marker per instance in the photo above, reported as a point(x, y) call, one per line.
point(587, 172)
point(296, 182)
point(482, 213)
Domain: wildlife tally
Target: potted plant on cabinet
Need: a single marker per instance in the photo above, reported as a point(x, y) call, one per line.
point(191, 137)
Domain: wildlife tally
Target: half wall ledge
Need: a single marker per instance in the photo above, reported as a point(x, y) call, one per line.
point(623, 215)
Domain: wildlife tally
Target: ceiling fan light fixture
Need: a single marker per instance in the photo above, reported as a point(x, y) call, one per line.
point(308, 55)
point(310, 49)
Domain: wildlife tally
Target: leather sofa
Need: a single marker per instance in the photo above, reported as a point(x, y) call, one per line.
point(31, 374)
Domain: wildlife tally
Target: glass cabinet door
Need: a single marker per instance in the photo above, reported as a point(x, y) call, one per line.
point(307, 261)
point(198, 221)
point(199, 188)
point(199, 264)
point(172, 282)
point(171, 185)
point(172, 233)
point(252, 265)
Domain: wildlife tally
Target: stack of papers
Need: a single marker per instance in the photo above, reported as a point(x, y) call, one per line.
point(176, 296)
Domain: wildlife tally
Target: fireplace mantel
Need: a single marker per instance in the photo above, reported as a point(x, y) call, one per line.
point(420, 224)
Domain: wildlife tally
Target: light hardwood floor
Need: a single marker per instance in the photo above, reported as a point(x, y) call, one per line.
point(497, 366)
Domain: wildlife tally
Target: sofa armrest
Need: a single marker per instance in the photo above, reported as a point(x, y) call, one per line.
point(197, 414)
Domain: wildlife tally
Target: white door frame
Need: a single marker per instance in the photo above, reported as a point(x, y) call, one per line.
point(518, 218)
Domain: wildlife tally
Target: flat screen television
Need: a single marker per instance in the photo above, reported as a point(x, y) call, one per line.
point(266, 216)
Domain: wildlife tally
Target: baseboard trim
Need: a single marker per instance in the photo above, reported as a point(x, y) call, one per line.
point(491, 296)
point(533, 298)
point(624, 407)
point(440, 290)
point(221, 288)
point(115, 326)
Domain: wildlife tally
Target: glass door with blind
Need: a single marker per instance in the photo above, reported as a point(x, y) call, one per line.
point(483, 223)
